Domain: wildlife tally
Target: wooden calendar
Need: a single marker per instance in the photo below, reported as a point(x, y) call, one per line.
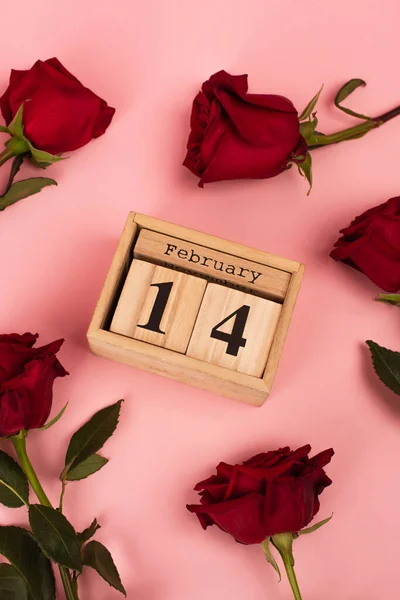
point(196, 308)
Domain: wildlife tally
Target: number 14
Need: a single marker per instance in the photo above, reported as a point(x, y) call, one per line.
point(234, 340)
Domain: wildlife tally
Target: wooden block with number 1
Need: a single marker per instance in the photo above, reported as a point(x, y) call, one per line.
point(158, 306)
point(234, 330)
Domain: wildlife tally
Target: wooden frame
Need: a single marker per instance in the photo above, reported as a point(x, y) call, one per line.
point(171, 364)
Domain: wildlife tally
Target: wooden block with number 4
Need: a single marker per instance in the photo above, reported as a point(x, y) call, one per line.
point(158, 306)
point(234, 330)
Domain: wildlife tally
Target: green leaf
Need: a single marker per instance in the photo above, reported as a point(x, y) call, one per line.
point(305, 169)
point(307, 129)
point(4, 129)
point(12, 585)
point(315, 527)
point(270, 557)
point(92, 436)
point(53, 421)
point(89, 532)
point(14, 487)
point(16, 127)
point(87, 467)
point(310, 106)
point(393, 299)
point(97, 556)
point(21, 550)
point(23, 189)
point(43, 159)
point(387, 365)
point(345, 91)
point(55, 536)
point(40, 157)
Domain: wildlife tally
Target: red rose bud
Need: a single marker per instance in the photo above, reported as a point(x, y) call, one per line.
point(236, 135)
point(269, 494)
point(59, 113)
point(26, 382)
point(371, 244)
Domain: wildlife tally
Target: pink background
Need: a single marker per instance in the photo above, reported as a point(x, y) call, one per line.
point(148, 59)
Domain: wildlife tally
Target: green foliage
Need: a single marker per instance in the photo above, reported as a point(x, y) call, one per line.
point(307, 112)
point(91, 437)
point(305, 169)
point(345, 91)
point(14, 487)
point(24, 188)
point(16, 127)
point(393, 299)
point(43, 159)
point(270, 557)
point(55, 536)
point(96, 556)
point(21, 550)
point(89, 532)
point(387, 365)
point(87, 467)
point(307, 129)
point(54, 421)
point(315, 527)
point(12, 585)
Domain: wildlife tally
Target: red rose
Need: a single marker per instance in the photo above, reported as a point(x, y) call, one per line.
point(26, 382)
point(59, 114)
point(371, 244)
point(269, 494)
point(236, 135)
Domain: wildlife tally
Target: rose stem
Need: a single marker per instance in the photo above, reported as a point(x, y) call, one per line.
point(5, 156)
point(19, 443)
point(63, 486)
point(283, 542)
point(291, 575)
point(354, 132)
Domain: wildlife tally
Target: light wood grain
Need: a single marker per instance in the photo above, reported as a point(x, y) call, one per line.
point(215, 266)
point(217, 243)
point(138, 298)
point(118, 269)
point(179, 367)
point(283, 327)
point(130, 303)
point(261, 321)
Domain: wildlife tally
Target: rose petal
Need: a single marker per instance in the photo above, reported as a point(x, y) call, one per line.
point(241, 518)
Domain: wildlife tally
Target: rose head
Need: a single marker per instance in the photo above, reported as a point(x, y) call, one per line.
point(26, 382)
point(271, 493)
point(236, 135)
point(60, 114)
point(371, 244)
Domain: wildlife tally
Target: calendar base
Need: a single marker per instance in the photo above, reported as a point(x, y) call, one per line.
point(279, 280)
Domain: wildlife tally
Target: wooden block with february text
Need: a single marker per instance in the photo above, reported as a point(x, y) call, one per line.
point(215, 266)
point(210, 258)
point(234, 330)
point(158, 306)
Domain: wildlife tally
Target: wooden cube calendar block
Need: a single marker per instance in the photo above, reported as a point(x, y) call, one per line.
point(215, 266)
point(279, 281)
point(234, 330)
point(158, 306)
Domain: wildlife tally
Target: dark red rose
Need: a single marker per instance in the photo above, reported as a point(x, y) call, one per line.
point(371, 244)
point(60, 114)
point(271, 493)
point(26, 381)
point(236, 135)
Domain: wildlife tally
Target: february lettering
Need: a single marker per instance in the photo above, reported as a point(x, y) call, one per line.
point(211, 263)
